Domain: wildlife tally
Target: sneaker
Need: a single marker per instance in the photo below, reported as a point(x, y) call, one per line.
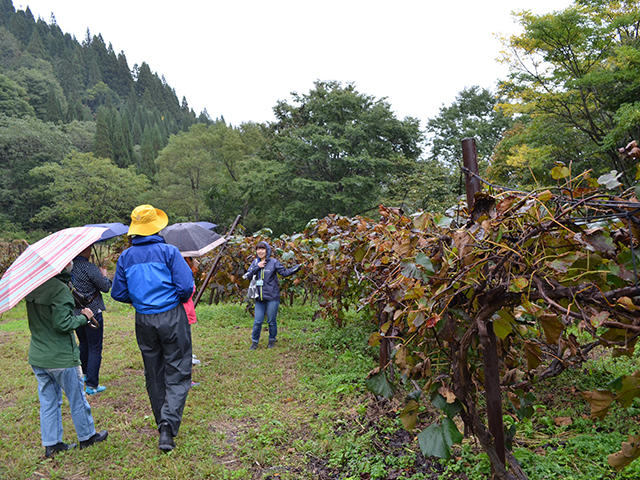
point(97, 437)
point(194, 360)
point(194, 384)
point(165, 442)
point(271, 344)
point(253, 346)
point(51, 450)
point(93, 391)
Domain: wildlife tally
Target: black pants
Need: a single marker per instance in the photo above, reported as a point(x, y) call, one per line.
point(90, 340)
point(165, 343)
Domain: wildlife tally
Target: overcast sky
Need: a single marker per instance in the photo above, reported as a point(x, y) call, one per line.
point(238, 58)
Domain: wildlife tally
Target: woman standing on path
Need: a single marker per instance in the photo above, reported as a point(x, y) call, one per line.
point(266, 270)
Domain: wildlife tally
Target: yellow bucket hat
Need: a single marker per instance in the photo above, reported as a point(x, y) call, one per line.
point(147, 220)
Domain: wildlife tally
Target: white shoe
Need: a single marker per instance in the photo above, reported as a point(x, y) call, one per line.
point(194, 360)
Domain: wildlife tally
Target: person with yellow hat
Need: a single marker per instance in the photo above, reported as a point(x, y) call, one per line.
point(153, 277)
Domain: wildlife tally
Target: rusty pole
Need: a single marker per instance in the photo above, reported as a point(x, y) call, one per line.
point(214, 267)
point(470, 162)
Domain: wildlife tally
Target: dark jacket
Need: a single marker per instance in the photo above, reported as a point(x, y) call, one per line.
point(52, 324)
point(89, 282)
point(270, 289)
point(152, 276)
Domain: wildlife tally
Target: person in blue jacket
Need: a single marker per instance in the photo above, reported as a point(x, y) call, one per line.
point(266, 270)
point(156, 280)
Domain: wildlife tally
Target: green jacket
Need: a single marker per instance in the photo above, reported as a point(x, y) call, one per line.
point(52, 324)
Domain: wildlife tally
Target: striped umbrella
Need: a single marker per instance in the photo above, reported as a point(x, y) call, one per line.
point(43, 260)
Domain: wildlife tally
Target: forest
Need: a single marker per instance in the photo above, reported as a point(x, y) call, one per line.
point(471, 307)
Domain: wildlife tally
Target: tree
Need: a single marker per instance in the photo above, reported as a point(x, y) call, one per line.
point(44, 92)
point(472, 114)
point(14, 99)
point(203, 173)
point(576, 71)
point(337, 148)
point(24, 144)
point(84, 189)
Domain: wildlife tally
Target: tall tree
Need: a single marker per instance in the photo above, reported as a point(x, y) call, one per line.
point(472, 114)
point(14, 99)
point(575, 71)
point(337, 148)
point(85, 189)
point(24, 144)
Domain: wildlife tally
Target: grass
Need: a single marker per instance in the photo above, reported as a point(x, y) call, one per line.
point(268, 413)
point(298, 411)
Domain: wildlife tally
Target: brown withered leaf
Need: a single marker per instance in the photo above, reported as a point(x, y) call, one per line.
point(563, 421)
point(600, 401)
point(533, 354)
point(629, 451)
point(552, 327)
point(505, 204)
point(448, 395)
point(463, 241)
point(409, 415)
point(483, 205)
point(374, 339)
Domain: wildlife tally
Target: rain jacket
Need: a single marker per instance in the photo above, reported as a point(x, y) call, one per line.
point(270, 289)
point(152, 276)
point(52, 324)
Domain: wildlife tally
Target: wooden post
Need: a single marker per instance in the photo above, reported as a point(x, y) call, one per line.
point(214, 267)
point(470, 162)
point(492, 390)
point(487, 335)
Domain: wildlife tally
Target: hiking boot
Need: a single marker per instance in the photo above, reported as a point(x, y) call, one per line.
point(51, 450)
point(165, 442)
point(253, 346)
point(97, 437)
point(271, 344)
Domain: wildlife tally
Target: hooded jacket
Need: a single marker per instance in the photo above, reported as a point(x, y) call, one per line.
point(270, 289)
point(152, 276)
point(52, 324)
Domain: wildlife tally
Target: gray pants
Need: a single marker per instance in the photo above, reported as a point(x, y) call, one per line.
point(165, 343)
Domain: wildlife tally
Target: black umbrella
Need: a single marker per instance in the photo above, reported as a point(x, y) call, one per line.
point(207, 225)
point(191, 239)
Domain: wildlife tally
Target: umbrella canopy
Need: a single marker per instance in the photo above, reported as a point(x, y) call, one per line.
point(112, 229)
point(42, 261)
point(207, 225)
point(191, 239)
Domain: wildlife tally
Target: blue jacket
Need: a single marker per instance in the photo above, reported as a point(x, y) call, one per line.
point(270, 289)
point(152, 276)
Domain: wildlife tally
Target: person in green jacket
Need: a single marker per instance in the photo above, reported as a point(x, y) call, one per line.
point(55, 359)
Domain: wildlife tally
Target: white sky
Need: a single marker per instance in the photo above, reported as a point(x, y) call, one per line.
point(238, 58)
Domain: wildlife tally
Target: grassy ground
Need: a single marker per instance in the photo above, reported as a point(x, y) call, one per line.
point(292, 412)
point(298, 411)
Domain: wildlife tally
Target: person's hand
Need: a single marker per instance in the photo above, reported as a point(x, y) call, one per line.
point(91, 320)
point(103, 271)
point(262, 263)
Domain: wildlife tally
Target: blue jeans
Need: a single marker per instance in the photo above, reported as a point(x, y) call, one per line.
point(90, 343)
point(270, 307)
point(51, 383)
